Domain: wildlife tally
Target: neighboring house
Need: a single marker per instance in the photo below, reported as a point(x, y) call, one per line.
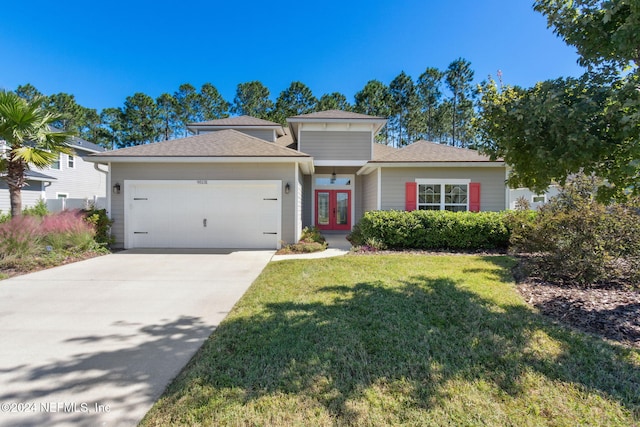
point(534, 200)
point(77, 182)
point(244, 182)
point(31, 193)
point(70, 182)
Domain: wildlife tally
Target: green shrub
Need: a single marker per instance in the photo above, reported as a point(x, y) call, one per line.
point(39, 209)
point(312, 234)
point(102, 224)
point(429, 230)
point(574, 239)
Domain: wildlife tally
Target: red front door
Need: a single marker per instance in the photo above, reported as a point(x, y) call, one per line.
point(333, 209)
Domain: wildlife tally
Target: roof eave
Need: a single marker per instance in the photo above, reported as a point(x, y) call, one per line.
point(373, 165)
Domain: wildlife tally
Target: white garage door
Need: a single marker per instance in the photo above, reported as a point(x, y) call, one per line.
point(202, 214)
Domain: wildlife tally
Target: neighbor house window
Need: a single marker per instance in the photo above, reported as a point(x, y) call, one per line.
point(56, 163)
point(539, 198)
point(71, 161)
point(441, 196)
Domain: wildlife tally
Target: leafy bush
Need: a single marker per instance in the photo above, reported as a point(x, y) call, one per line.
point(430, 230)
point(102, 225)
point(311, 240)
point(312, 234)
point(576, 239)
point(39, 209)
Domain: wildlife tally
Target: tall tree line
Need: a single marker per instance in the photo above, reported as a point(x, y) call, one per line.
point(437, 106)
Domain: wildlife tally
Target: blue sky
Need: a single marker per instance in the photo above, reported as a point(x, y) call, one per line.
point(102, 52)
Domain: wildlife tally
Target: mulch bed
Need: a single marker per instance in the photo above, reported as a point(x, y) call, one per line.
point(612, 312)
point(12, 271)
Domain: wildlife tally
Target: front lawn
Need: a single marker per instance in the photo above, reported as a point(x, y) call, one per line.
point(399, 340)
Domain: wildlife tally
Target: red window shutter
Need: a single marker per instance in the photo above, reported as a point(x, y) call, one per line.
point(411, 194)
point(474, 196)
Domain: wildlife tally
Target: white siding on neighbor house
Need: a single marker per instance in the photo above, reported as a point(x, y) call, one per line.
point(492, 184)
point(336, 145)
point(528, 195)
point(31, 194)
point(202, 171)
point(82, 181)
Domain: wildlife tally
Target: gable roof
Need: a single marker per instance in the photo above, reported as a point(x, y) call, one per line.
point(423, 153)
point(335, 116)
point(239, 122)
point(223, 143)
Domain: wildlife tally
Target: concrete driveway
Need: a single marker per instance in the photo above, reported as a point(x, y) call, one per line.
point(96, 342)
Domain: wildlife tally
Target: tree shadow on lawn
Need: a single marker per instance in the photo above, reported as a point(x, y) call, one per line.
point(422, 334)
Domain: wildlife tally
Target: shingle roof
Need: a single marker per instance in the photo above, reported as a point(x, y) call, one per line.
point(237, 121)
point(286, 140)
point(424, 151)
point(335, 114)
point(223, 143)
point(81, 144)
point(382, 150)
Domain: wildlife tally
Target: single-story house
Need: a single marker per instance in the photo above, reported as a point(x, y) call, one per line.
point(244, 182)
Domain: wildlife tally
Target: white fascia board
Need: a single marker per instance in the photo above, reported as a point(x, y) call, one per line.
point(340, 162)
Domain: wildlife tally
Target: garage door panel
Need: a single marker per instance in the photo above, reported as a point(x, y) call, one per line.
point(217, 214)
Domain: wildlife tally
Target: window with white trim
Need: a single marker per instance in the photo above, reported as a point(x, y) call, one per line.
point(539, 198)
point(56, 163)
point(71, 161)
point(443, 195)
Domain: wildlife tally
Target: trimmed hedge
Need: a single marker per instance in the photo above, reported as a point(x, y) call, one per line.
point(429, 230)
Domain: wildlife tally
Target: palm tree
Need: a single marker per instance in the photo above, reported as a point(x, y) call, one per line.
point(30, 141)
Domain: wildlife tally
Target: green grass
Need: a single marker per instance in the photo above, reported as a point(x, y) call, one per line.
point(398, 340)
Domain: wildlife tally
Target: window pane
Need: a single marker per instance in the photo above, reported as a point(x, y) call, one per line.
point(455, 208)
point(56, 163)
point(342, 216)
point(455, 194)
point(429, 207)
point(429, 193)
point(323, 208)
point(330, 181)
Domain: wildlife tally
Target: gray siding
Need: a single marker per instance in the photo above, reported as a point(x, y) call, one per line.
point(31, 194)
point(336, 145)
point(195, 171)
point(369, 191)
point(80, 182)
point(492, 184)
point(307, 200)
point(265, 134)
